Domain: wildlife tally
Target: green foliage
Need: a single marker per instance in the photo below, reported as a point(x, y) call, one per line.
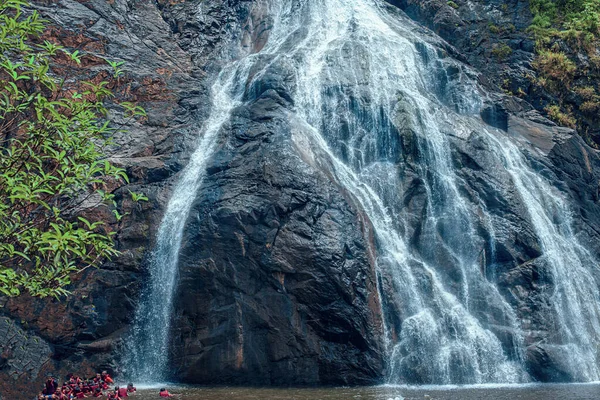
point(591, 100)
point(595, 62)
point(494, 28)
point(543, 20)
point(583, 15)
point(580, 17)
point(586, 92)
point(561, 118)
point(590, 107)
point(497, 30)
point(452, 4)
point(502, 52)
point(555, 65)
point(53, 165)
point(571, 26)
point(138, 196)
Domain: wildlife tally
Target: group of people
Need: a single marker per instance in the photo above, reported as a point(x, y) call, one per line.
point(75, 387)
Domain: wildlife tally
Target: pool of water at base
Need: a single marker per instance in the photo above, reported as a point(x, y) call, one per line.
point(485, 392)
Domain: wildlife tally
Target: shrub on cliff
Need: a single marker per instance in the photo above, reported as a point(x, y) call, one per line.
point(567, 36)
point(579, 15)
point(555, 65)
point(54, 132)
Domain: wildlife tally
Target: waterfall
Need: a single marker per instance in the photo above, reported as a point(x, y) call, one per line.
point(366, 88)
point(147, 350)
point(576, 296)
point(356, 68)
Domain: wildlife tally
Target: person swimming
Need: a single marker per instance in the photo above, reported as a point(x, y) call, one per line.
point(122, 392)
point(165, 393)
point(130, 388)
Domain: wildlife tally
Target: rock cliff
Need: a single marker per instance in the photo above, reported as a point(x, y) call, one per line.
point(277, 279)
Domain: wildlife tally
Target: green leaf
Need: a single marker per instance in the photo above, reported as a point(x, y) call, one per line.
point(55, 165)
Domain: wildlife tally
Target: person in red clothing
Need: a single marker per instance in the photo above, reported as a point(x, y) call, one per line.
point(114, 395)
point(67, 393)
point(64, 395)
point(106, 378)
point(97, 392)
point(79, 393)
point(131, 388)
point(85, 388)
point(165, 393)
point(122, 392)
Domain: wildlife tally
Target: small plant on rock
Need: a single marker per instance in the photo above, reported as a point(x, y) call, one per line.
point(452, 4)
point(555, 65)
point(502, 52)
point(561, 118)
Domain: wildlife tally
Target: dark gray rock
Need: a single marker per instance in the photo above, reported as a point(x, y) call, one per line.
point(276, 284)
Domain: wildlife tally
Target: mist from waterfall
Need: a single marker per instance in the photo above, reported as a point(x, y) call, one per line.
point(367, 87)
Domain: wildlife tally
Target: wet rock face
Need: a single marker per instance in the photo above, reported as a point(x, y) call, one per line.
point(516, 263)
point(276, 284)
point(493, 36)
point(22, 355)
point(476, 28)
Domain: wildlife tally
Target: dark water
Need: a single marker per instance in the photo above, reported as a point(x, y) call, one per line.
point(509, 392)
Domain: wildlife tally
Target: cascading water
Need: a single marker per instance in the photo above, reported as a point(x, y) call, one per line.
point(365, 85)
point(147, 348)
point(439, 341)
point(576, 297)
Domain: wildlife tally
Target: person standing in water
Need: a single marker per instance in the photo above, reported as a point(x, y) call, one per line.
point(131, 389)
point(51, 385)
point(106, 377)
point(122, 391)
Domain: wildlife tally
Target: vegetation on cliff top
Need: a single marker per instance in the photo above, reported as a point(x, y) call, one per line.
point(567, 34)
point(54, 166)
